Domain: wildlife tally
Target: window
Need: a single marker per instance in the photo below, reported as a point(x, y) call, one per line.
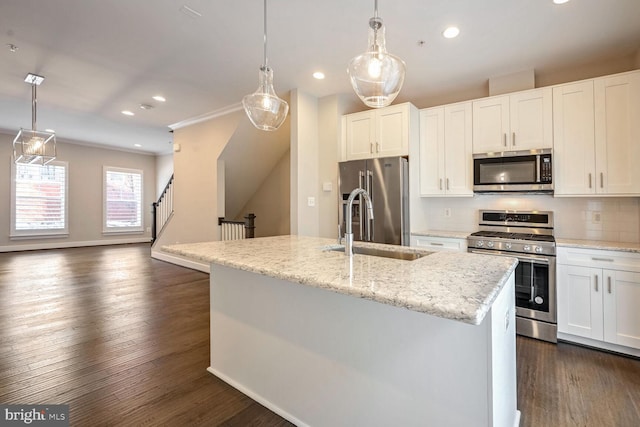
point(122, 200)
point(39, 197)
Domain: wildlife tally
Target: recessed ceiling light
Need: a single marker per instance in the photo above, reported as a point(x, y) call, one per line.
point(451, 32)
point(137, 145)
point(159, 98)
point(318, 75)
point(146, 106)
point(560, 1)
point(127, 113)
point(50, 130)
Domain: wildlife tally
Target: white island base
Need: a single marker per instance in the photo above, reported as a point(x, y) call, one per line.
point(320, 358)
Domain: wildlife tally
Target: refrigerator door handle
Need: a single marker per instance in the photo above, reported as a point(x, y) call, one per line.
point(361, 182)
point(370, 221)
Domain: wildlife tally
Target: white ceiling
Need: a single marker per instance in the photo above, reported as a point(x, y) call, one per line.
point(101, 57)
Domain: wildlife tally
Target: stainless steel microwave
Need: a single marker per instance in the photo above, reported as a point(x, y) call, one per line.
point(513, 171)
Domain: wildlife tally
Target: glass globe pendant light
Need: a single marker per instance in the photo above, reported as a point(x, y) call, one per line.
point(376, 75)
point(265, 110)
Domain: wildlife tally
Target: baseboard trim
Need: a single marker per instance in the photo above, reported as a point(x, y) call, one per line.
point(181, 261)
point(599, 345)
point(78, 244)
point(264, 402)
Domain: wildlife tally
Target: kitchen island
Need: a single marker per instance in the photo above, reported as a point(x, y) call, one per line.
point(324, 339)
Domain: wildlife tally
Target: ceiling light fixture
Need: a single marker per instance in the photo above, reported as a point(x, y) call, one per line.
point(128, 113)
point(376, 76)
point(560, 1)
point(146, 106)
point(263, 107)
point(12, 47)
point(34, 146)
point(318, 75)
point(159, 98)
point(451, 32)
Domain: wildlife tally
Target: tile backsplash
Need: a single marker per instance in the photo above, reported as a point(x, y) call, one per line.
point(604, 218)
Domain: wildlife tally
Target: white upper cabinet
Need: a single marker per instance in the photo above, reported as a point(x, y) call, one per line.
point(596, 129)
point(446, 164)
point(617, 134)
point(383, 132)
point(519, 121)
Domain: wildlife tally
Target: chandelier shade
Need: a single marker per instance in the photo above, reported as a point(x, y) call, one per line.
point(32, 146)
point(265, 109)
point(376, 75)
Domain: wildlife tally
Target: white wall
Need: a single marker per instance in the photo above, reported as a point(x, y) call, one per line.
point(85, 182)
point(164, 170)
point(196, 179)
point(304, 164)
point(270, 203)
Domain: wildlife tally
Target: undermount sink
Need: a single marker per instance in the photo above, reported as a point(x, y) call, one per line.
point(386, 253)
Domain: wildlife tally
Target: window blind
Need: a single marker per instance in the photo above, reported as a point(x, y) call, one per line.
point(123, 204)
point(40, 197)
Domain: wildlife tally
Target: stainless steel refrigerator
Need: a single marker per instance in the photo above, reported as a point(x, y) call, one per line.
point(387, 182)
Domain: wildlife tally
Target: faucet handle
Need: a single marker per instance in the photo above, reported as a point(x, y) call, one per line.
point(339, 233)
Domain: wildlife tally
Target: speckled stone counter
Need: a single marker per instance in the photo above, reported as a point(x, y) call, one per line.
point(457, 286)
point(597, 244)
point(443, 233)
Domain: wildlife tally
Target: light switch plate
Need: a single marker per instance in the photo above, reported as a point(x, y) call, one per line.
point(311, 201)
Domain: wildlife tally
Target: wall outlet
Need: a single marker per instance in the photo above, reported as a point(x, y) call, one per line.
point(447, 212)
point(596, 217)
point(311, 201)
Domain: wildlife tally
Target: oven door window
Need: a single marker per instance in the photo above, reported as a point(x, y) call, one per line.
point(532, 286)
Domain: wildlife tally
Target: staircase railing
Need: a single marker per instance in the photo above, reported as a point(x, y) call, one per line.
point(236, 230)
point(162, 210)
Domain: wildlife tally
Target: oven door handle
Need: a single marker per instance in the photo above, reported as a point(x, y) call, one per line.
point(512, 255)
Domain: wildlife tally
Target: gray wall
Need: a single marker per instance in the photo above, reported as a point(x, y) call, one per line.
point(84, 195)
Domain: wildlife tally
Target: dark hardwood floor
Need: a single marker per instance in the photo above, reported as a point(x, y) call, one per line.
point(123, 339)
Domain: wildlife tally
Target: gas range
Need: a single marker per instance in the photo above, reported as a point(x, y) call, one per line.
point(527, 236)
point(515, 231)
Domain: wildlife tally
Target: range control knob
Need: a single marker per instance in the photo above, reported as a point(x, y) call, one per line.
point(489, 244)
point(526, 248)
point(538, 249)
point(480, 243)
point(507, 245)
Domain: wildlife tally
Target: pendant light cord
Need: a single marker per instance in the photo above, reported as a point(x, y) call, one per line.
point(265, 65)
point(34, 101)
point(375, 11)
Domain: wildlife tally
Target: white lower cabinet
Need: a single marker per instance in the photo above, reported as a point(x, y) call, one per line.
point(599, 297)
point(433, 243)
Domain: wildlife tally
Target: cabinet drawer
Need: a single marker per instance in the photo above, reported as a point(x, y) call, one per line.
point(616, 260)
point(439, 243)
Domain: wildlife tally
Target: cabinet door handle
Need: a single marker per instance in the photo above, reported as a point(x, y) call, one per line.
point(440, 183)
point(371, 149)
point(437, 244)
point(601, 180)
point(377, 147)
point(601, 259)
point(513, 140)
point(589, 179)
point(447, 184)
point(609, 284)
point(505, 139)
point(596, 277)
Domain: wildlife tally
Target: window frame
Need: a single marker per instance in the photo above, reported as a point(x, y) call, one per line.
point(36, 233)
point(128, 229)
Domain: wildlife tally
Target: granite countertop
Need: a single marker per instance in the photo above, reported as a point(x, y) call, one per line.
point(598, 244)
point(457, 286)
point(443, 233)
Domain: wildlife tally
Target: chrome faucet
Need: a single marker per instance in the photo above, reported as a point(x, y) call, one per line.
point(348, 235)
